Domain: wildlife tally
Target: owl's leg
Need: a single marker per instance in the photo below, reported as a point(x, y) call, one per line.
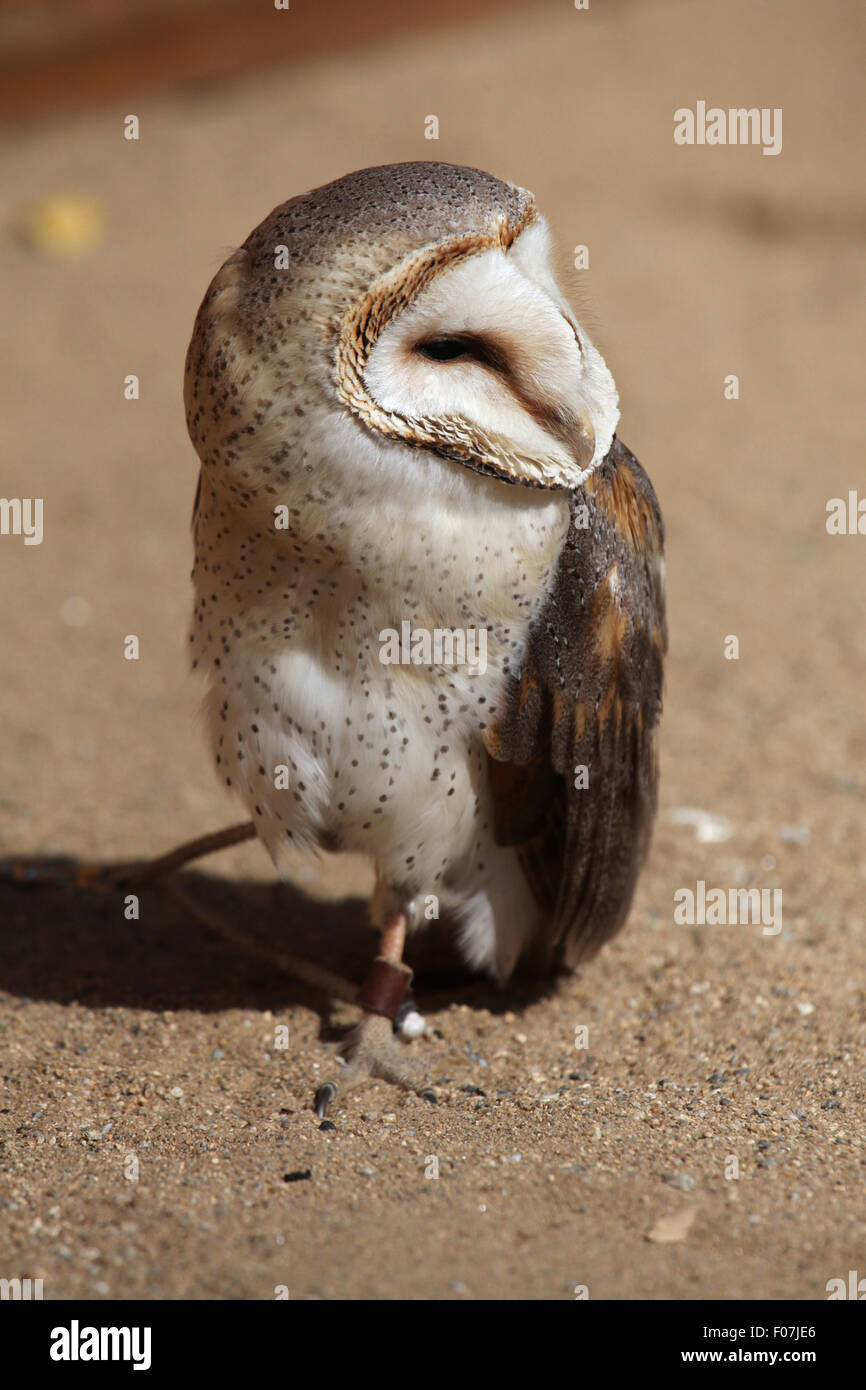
point(372, 1050)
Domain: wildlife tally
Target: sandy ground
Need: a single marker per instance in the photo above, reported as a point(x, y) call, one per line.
point(149, 1047)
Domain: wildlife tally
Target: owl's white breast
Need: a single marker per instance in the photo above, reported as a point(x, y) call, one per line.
point(383, 759)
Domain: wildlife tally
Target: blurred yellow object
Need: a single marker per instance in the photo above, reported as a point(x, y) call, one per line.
point(62, 224)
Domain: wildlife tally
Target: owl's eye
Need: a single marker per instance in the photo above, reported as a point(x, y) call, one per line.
point(443, 349)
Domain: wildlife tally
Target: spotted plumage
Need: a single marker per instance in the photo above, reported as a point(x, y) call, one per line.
point(399, 420)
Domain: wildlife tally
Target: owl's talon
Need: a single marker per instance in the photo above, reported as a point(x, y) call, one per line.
point(373, 1053)
point(325, 1096)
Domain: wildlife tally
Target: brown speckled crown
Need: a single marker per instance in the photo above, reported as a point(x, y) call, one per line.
point(266, 336)
point(374, 217)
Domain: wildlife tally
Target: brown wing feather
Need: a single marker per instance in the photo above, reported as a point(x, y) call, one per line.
point(197, 499)
point(589, 695)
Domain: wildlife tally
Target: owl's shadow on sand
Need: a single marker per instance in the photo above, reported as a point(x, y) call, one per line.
point(75, 945)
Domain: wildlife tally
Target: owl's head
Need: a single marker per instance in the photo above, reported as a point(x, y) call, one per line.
point(416, 304)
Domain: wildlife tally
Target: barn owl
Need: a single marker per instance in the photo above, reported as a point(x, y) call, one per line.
point(429, 579)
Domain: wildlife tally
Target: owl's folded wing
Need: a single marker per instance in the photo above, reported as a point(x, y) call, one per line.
point(572, 760)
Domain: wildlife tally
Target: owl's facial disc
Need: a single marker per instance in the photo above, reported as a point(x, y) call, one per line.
point(564, 423)
point(487, 366)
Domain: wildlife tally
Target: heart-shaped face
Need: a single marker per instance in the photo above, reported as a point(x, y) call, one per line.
point(470, 350)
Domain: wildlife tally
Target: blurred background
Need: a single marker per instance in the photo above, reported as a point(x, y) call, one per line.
point(703, 262)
